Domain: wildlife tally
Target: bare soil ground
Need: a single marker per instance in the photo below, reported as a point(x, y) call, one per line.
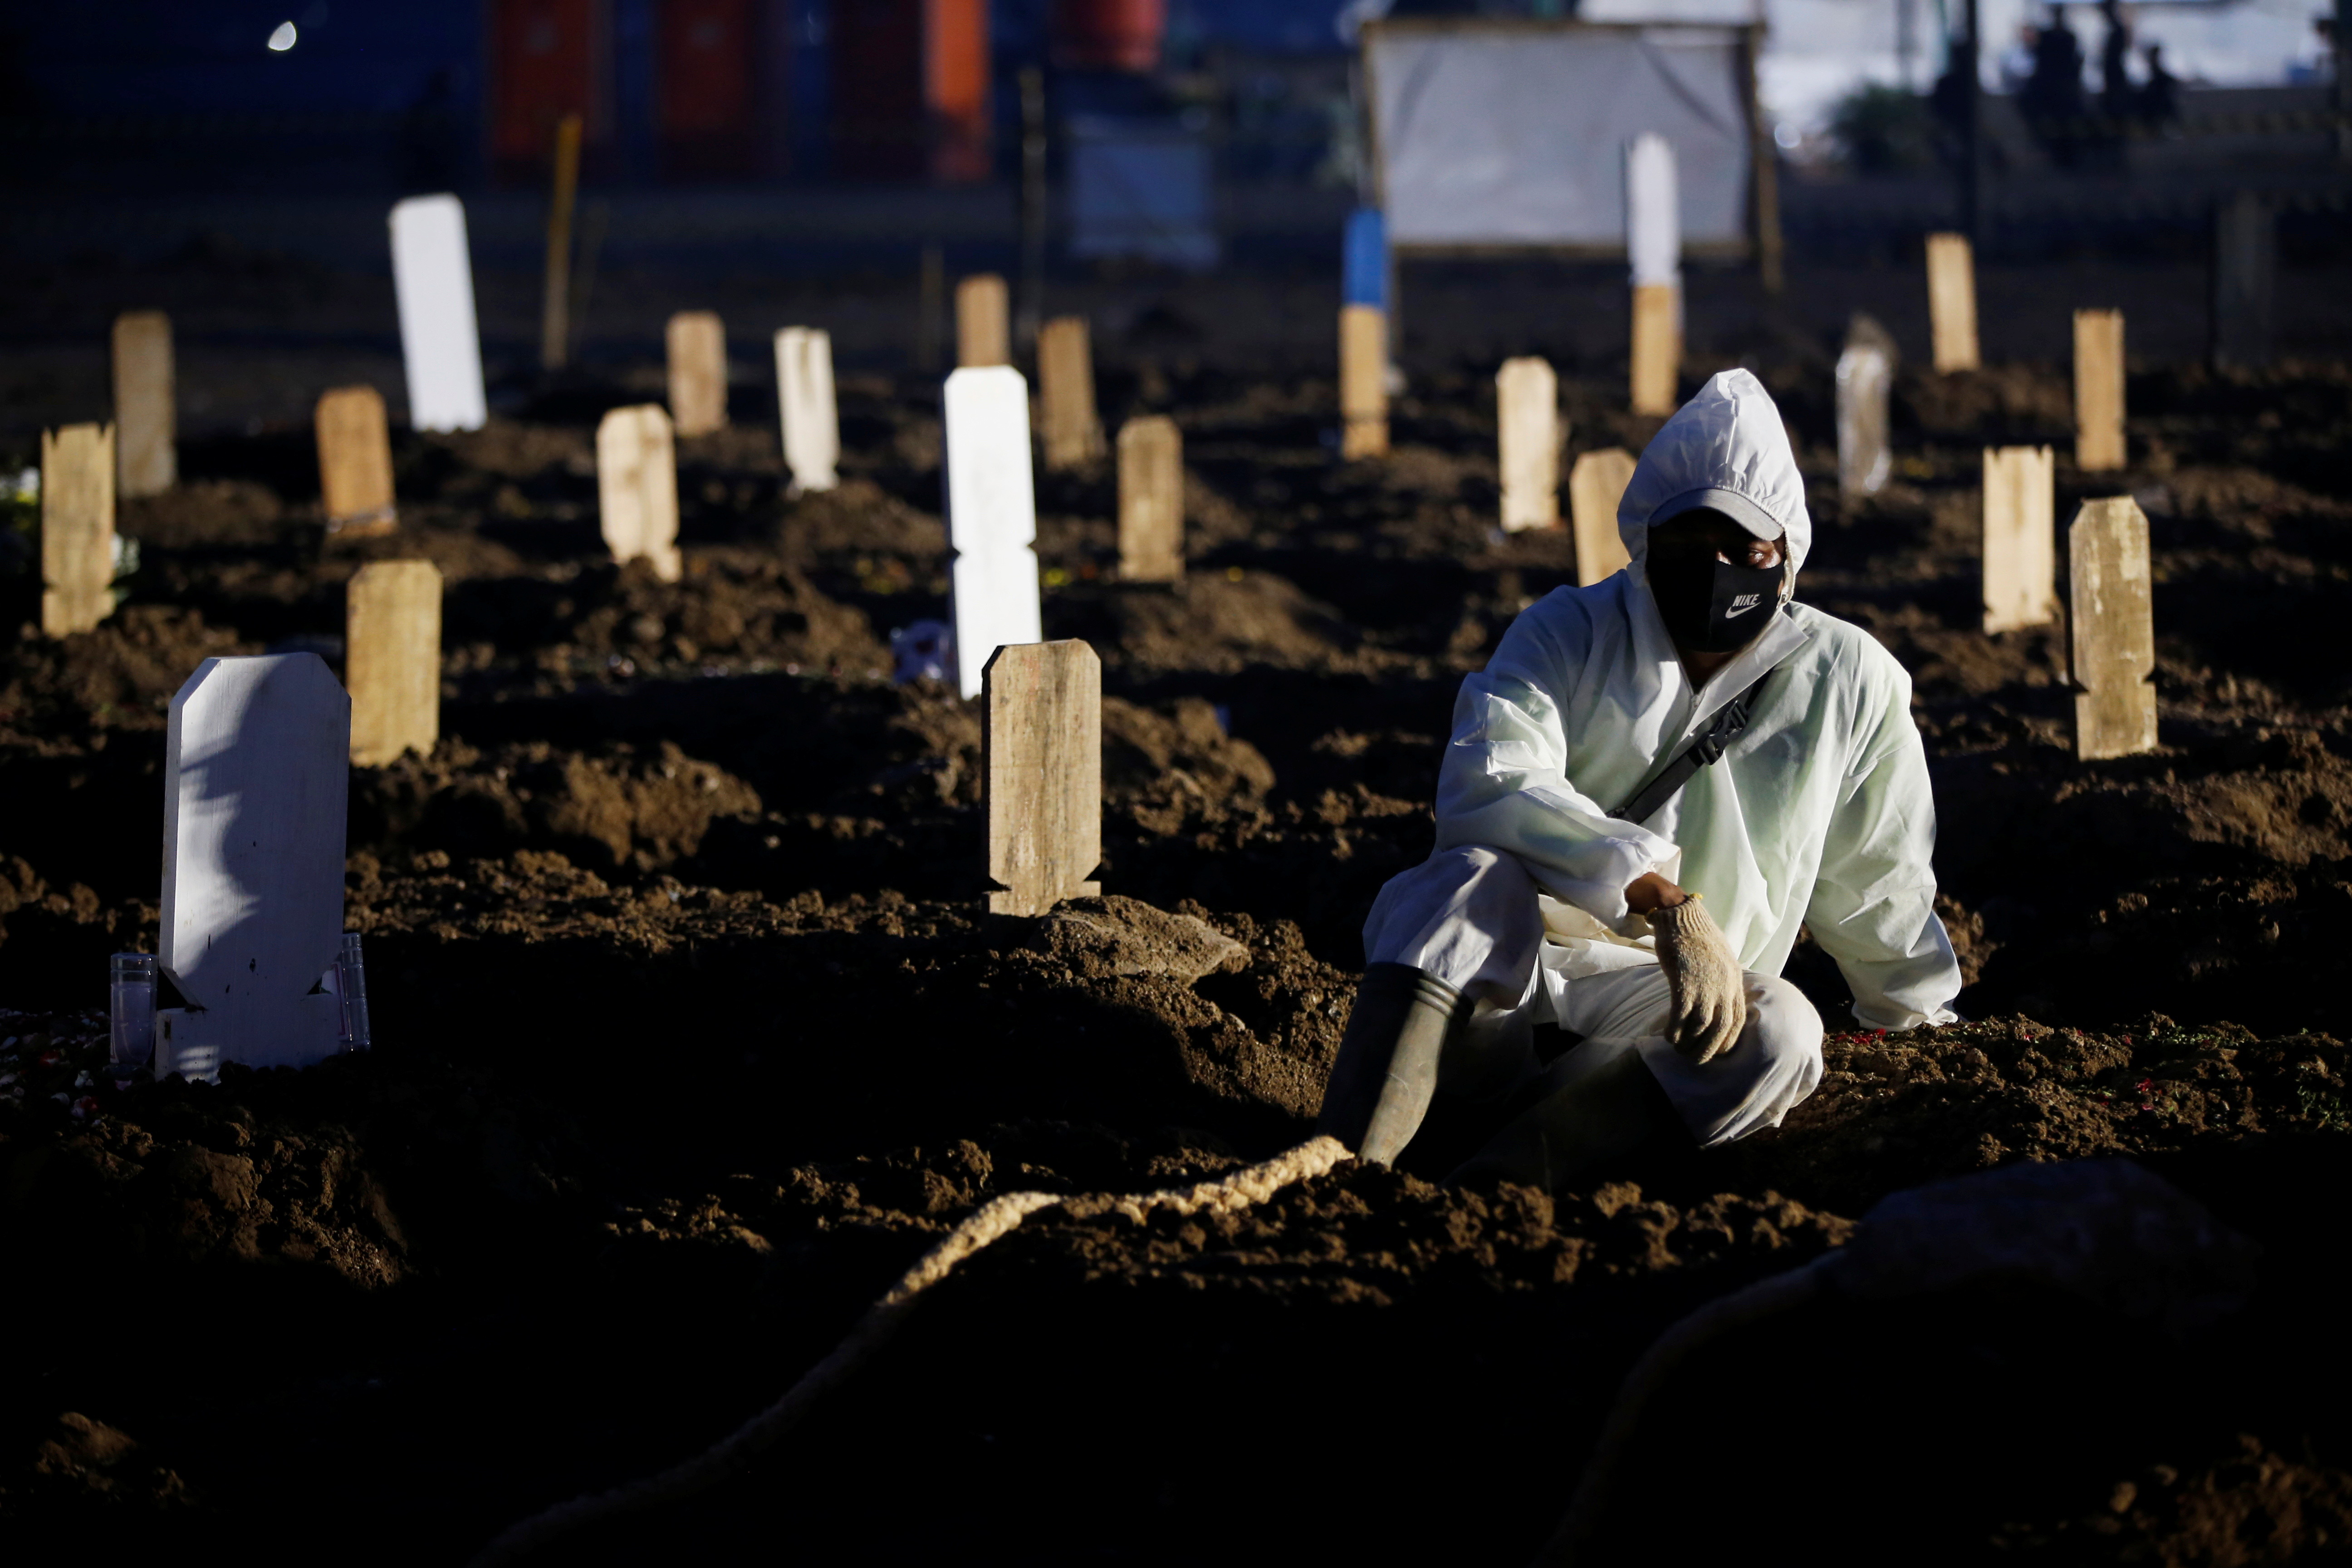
point(691, 1032)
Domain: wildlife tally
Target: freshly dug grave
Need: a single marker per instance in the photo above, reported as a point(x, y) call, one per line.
point(692, 1035)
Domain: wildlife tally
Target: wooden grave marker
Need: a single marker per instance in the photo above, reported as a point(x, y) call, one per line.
point(2245, 280)
point(146, 420)
point(1595, 487)
point(440, 342)
point(2098, 390)
point(992, 507)
point(1528, 437)
point(2020, 538)
point(1865, 375)
point(698, 373)
point(804, 402)
point(77, 528)
point(2113, 619)
point(1363, 382)
point(255, 775)
point(1653, 246)
point(1041, 740)
point(1151, 500)
point(984, 324)
point(355, 462)
point(1952, 302)
point(391, 660)
point(1065, 386)
point(636, 488)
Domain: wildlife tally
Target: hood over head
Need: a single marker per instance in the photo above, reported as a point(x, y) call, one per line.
point(1725, 448)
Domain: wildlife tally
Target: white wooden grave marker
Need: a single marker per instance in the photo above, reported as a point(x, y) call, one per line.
point(1065, 386)
point(1952, 301)
point(1040, 742)
point(1526, 421)
point(255, 775)
point(1866, 374)
point(2098, 390)
point(636, 488)
point(992, 506)
point(433, 279)
point(354, 462)
point(2112, 620)
point(805, 401)
point(1151, 500)
point(1363, 381)
point(77, 528)
point(146, 423)
point(698, 373)
point(983, 325)
point(2020, 538)
point(1595, 487)
point(391, 660)
point(1653, 244)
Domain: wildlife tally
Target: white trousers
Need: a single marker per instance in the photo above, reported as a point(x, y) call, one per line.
point(1469, 917)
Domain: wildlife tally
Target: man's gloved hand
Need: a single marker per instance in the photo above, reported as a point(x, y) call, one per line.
point(1709, 995)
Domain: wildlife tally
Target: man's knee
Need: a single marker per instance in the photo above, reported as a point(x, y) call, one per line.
point(1785, 1027)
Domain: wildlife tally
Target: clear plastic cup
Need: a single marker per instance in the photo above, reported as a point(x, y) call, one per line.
point(131, 997)
point(351, 983)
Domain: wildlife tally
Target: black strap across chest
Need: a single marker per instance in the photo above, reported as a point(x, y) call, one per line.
point(1726, 727)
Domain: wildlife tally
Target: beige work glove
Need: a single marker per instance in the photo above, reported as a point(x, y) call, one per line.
point(1709, 1004)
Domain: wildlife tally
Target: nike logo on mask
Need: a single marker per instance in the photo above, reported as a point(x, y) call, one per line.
point(1742, 604)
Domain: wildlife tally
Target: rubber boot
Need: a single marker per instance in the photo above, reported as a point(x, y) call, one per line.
point(1387, 1071)
point(1604, 1117)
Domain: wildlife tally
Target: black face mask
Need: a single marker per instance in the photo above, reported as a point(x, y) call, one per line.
point(1710, 606)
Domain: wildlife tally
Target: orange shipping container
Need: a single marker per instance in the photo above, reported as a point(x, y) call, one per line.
point(910, 86)
point(548, 58)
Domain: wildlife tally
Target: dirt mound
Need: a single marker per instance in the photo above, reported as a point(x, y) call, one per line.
point(120, 676)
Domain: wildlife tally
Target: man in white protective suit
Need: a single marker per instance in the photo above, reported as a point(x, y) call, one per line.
point(1654, 783)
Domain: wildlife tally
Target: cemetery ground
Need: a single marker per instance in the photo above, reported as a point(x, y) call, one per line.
point(691, 1032)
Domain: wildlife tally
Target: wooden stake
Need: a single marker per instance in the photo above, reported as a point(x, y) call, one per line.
point(1657, 347)
point(257, 773)
point(811, 422)
point(555, 320)
point(1041, 736)
point(1151, 500)
point(1595, 487)
point(983, 329)
point(145, 419)
point(1363, 382)
point(1527, 424)
point(1865, 372)
point(2113, 618)
point(636, 488)
point(1065, 385)
point(77, 528)
point(355, 462)
point(1952, 301)
point(2098, 390)
point(698, 373)
point(391, 660)
point(2020, 538)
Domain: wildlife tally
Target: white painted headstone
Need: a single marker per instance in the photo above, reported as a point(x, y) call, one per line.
point(1654, 223)
point(255, 775)
point(805, 401)
point(1865, 375)
point(992, 505)
point(432, 277)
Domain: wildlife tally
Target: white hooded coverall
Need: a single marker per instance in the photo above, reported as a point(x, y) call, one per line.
point(1818, 814)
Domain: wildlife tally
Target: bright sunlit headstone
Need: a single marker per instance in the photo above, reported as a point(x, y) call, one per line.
point(2020, 538)
point(1865, 375)
point(992, 507)
point(433, 278)
point(805, 401)
point(636, 488)
point(255, 775)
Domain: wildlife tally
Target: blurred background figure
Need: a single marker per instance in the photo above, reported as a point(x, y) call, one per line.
point(2053, 98)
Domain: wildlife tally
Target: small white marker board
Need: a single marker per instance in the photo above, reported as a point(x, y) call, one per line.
point(636, 488)
point(255, 775)
point(1040, 748)
point(805, 404)
point(432, 277)
point(1866, 374)
point(992, 506)
point(1526, 418)
point(2020, 538)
